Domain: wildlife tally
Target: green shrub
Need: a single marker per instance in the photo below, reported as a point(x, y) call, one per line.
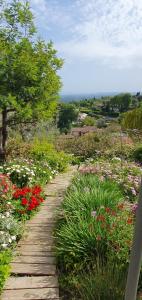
point(5, 258)
point(42, 150)
point(137, 154)
point(104, 282)
point(95, 226)
point(78, 234)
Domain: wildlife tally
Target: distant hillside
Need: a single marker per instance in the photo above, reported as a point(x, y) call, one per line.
point(78, 97)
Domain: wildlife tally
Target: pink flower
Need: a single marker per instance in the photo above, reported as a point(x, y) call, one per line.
point(93, 213)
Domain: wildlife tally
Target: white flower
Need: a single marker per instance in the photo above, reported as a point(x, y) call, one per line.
point(50, 177)
point(10, 240)
point(4, 245)
point(7, 214)
point(13, 238)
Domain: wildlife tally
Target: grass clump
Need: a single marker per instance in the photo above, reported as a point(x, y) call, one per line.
point(93, 236)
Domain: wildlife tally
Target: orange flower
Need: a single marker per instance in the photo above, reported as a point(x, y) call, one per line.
point(98, 238)
point(101, 218)
point(129, 221)
point(121, 206)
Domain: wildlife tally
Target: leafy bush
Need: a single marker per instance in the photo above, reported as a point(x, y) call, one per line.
point(103, 143)
point(42, 150)
point(5, 258)
point(137, 154)
point(96, 283)
point(10, 230)
point(16, 147)
point(21, 173)
point(88, 121)
point(101, 123)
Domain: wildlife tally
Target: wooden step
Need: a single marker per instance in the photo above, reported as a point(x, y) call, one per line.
point(32, 269)
point(50, 260)
point(33, 282)
point(31, 294)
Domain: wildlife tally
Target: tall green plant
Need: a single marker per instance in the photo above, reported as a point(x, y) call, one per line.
point(29, 83)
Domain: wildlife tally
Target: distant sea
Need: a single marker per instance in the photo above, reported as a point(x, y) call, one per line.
point(77, 97)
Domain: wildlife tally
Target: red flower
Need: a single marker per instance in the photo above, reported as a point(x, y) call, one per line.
point(24, 201)
point(101, 218)
point(107, 209)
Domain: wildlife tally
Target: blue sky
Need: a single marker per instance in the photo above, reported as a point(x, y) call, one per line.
point(100, 41)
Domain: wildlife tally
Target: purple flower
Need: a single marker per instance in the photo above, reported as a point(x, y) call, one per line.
point(93, 213)
point(134, 208)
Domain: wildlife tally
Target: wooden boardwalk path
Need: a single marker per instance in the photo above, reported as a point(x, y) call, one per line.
point(33, 273)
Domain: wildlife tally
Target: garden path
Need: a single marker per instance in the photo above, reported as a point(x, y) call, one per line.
point(33, 269)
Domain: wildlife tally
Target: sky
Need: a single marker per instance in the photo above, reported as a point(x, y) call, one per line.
point(99, 40)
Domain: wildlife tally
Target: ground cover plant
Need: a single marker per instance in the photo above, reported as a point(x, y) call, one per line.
point(127, 174)
point(94, 237)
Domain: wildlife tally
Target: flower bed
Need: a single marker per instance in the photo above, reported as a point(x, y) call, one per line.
point(94, 237)
point(20, 199)
point(126, 174)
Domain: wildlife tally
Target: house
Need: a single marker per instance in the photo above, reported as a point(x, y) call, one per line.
point(82, 117)
point(79, 131)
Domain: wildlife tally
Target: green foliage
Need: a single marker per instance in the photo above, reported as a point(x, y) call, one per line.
point(88, 121)
point(81, 147)
point(94, 237)
point(29, 83)
point(67, 114)
point(77, 236)
point(133, 119)
point(137, 154)
point(101, 123)
point(96, 284)
point(5, 258)
point(42, 150)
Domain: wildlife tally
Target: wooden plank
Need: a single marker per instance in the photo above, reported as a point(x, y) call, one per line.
point(33, 269)
point(37, 240)
point(32, 248)
point(33, 282)
point(39, 230)
point(35, 253)
point(38, 234)
point(43, 226)
point(31, 294)
point(42, 221)
point(50, 260)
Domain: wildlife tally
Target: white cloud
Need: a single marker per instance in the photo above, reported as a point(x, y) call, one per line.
point(106, 30)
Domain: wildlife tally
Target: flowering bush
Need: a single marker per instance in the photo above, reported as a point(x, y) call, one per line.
point(6, 190)
point(10, 230)
point(26, 200)
point(29, 172)
point(95, 229)
point(126, 174)
point(20, 174)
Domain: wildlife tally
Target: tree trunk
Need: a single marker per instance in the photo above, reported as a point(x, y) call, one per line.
point(3, 136)
point(136, 255)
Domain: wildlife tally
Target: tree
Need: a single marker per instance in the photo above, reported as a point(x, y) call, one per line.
point(133, 119)
point(67, 114)
point(29, 83)
point(121, 102)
